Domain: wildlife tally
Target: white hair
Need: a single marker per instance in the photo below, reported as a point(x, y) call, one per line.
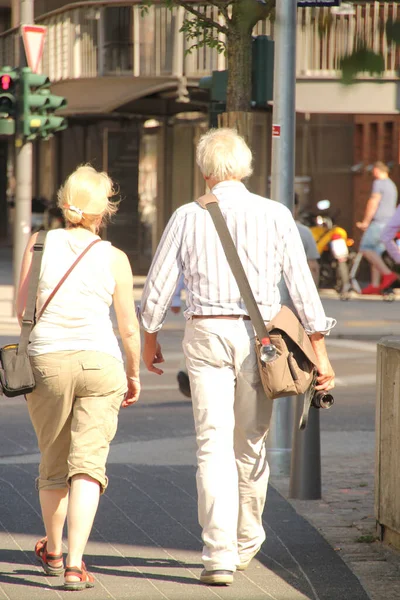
point(222, 154)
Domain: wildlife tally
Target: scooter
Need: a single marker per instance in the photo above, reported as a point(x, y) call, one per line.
point(333, 246)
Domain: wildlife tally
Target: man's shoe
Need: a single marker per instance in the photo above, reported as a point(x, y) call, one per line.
point(219, 577)
point(242, 566)
point(184, 383)
point(388, 281)
point(371, 289)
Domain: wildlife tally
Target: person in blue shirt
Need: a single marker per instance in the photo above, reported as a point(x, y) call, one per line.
point(379, 209)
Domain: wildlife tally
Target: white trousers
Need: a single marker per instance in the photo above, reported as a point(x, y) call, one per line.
point(232, 417)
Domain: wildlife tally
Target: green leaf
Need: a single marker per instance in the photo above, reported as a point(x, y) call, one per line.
point(366, 539)
point(393, 32)
point(360, 61)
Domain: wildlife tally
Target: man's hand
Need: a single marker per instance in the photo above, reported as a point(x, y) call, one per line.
point(326, 375)
point(362, 225)
point(132, 395)
point(152, 353)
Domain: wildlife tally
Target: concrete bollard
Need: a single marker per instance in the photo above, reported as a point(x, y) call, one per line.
point(279, 440)
point(305, 466)
point(387, 447)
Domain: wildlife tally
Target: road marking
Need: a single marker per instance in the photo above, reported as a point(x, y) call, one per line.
point(349, 355)
point(157, 388)
point(367, 379)
point(353, 344)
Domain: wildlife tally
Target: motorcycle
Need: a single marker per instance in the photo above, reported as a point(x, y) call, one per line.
point(333, 246)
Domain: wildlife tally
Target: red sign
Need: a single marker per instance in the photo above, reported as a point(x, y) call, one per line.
point(33, 38)
point(276, 131)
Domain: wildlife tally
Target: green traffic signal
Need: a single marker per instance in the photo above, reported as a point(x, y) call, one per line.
point(262, 70)
point(38, 104)
point(53, 102)
point(261, 76)
point(32, 102)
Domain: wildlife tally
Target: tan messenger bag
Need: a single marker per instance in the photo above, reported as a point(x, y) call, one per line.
point(294, 371)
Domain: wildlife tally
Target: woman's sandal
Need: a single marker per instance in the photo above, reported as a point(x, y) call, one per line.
point(46, 558)
point(86, 579)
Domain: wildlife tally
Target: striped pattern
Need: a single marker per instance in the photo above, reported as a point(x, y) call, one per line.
point(269, 246)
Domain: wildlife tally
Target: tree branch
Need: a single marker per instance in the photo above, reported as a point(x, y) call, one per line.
point(222, 7)
point(202, 17)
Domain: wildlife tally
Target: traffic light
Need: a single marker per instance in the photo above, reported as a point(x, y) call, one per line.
point(262, 76)
point(217, 83)
point(53, 122)
point(38, 106)
point(8, 100)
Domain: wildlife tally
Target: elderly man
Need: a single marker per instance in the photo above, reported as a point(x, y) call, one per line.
point(231, 412)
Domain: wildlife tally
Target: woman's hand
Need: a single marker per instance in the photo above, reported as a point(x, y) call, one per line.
point(132, 395)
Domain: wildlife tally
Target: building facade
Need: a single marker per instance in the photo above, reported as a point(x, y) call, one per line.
point(135, 109)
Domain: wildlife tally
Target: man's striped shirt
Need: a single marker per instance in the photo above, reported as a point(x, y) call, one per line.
point(269, 246)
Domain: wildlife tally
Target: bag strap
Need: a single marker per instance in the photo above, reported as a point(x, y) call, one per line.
point(29, 313)
point(210, 203)
point(59, 284)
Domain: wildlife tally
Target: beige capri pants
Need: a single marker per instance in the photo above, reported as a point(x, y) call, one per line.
point(74, 411)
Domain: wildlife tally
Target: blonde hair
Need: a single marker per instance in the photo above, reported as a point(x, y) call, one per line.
point(85, 196)
point(223, 153)
point(381, 166)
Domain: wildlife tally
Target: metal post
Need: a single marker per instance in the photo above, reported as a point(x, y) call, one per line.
point(23, 192)
point(282, 180)
point(305, 470)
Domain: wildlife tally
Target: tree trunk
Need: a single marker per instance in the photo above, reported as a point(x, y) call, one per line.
point(238, 115)
point(239, 70)
point(241, 121)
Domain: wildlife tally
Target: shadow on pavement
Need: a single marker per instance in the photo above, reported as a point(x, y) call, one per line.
point(146, 529)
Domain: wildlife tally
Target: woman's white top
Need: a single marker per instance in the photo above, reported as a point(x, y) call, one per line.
point(78, 317)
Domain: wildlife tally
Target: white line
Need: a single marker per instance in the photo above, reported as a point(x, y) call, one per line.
point(366, 379)
point(335, 355)
point(156, 388)
point(353, 344)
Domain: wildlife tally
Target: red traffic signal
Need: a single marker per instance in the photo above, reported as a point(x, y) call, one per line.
point(6, 83)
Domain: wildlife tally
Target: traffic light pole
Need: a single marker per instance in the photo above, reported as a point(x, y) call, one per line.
point(305, 463)
point(282, 184)
point(23, 166)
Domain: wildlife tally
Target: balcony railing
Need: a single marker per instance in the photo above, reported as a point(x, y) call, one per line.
point(92, 39)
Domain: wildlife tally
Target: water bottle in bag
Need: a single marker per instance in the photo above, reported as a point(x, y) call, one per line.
point(268, 351)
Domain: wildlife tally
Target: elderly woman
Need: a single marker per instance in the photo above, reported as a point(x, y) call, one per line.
point(80, 378)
